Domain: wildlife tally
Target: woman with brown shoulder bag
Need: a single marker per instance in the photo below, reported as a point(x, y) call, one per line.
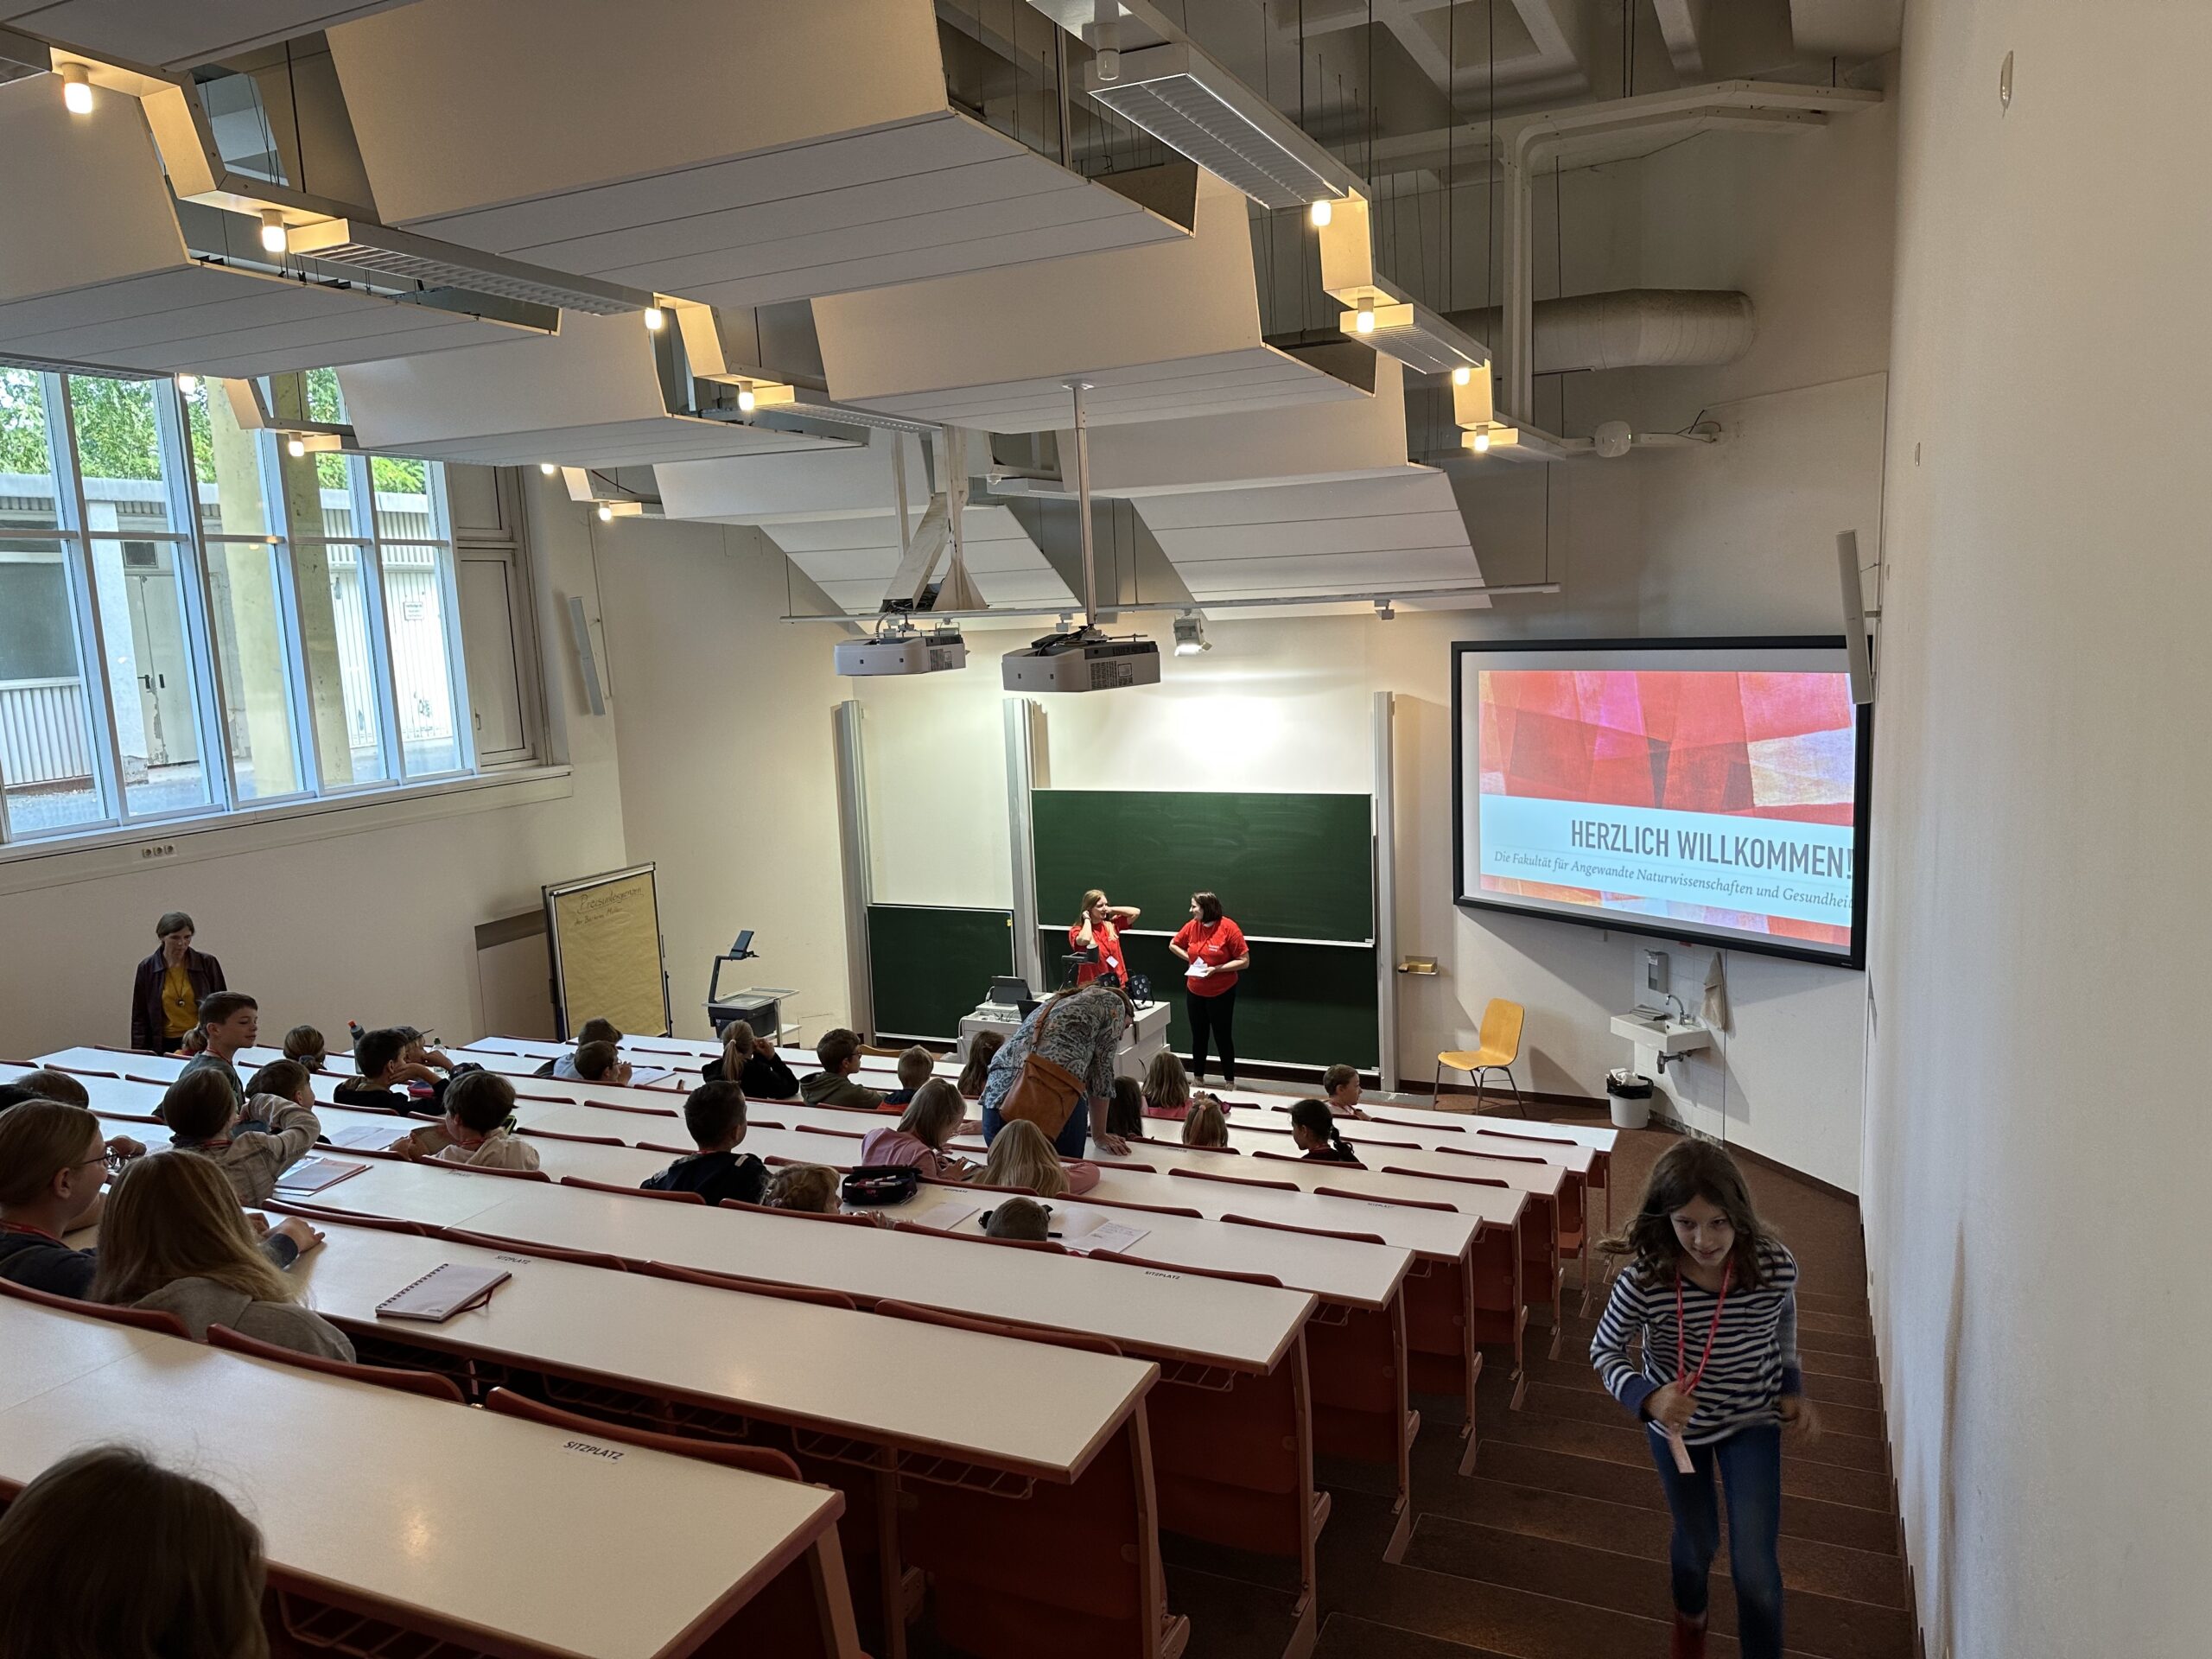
point(1057, 1071)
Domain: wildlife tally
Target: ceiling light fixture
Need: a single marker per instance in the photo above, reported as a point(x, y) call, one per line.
point(1321, 212)
point(1363, 321)
point(76, 90)
point(551, 468)
point(1462, 375)
point(188, 384)
point(1481, 444)
point(274, 237)
point(747, 400)
point(295, 446)
point(1106, 39)
point(605, 513)
point(1191, 635)
point(656, 319)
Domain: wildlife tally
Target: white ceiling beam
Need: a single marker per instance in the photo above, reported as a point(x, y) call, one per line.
point(1681, 25)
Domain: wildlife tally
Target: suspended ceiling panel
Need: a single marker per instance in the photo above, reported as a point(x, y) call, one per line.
point(823, 484)
point(590, 396)
point(174, 34)
point(1158, 332)
point(737, 152)
point(852, 559)
point(1359, 437)
point(1316, 539)
point(105, 279)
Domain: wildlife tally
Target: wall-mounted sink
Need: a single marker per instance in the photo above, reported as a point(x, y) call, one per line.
point(1658, 1031)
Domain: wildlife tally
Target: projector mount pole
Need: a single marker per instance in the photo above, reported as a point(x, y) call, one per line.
point(1083, 506)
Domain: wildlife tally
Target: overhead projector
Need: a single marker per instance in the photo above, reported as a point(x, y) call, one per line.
point(1081, 659)
point(907, 653)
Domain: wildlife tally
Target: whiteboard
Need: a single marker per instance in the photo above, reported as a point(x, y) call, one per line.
point(605, 932)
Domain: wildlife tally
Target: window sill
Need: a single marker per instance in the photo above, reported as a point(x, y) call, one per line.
point(34, 865)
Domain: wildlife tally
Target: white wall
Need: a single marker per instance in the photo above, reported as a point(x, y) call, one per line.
point(375, 925)
point(727, 781)
point(2035, 1152)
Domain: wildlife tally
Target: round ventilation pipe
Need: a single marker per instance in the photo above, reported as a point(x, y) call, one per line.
point(1633, 328)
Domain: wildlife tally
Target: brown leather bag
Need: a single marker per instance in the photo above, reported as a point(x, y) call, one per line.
point(1044, 1092)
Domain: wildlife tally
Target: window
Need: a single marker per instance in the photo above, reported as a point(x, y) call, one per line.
point(194, 621)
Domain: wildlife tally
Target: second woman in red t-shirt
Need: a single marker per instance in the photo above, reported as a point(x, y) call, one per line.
point(1215, 948)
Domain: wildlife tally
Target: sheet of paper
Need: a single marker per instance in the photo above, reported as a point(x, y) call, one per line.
point(366, 1137)
point(943, 1216)
point(644, 1077)
point(1086, 1230)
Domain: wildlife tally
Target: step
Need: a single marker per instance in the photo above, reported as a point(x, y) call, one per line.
point(1343, 1637)
point(1570, 1371)
point(1601, 1428)
point(1819, 1569)
point(1551, 1468)
point(1578, 1572)
point(1837, 1422)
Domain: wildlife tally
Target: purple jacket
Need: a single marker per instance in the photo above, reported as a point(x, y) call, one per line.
point(148, 1025)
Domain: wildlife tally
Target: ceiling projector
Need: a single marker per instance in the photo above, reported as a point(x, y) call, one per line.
point(907, 653)
point(1081, 659)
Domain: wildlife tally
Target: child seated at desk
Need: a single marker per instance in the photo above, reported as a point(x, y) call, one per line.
point(383, 1072)
point(1125, 1111)
point(917, 1065)
point(919, 1137)
point(478, 1128)
point(714, 1113)
point(52, 1164)
point(752, 1062)
point(1205, 1126)
point(1315, 1132)
point(172, 1237)
point(305, 1045)
point(44, 1084)
point(204, 1119)
point(1341, 1085)
point(810, 1187)
point(563, 1066)
point(982, 1048)
point(602, 1063)
point(1167, 1086)
point(839, 1051)
point(108, 1552)
point(1023, 1157)
point(1023, 1218)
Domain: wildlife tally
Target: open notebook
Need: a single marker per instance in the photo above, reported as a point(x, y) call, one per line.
point(1086, 1230)
point(313, 1174)
point(449, 1288)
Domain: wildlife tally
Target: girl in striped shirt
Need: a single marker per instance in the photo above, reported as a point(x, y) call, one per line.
point(1713, 1296)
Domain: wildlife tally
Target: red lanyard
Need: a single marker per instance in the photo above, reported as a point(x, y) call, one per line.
point(35, 1232)
point(1688, 1385)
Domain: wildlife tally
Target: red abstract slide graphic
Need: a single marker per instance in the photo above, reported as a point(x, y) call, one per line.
point(1779, 748)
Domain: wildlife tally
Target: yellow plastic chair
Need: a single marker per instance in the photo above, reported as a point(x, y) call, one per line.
point(1500, 1040)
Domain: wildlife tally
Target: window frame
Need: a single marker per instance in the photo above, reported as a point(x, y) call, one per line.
point(189, 539)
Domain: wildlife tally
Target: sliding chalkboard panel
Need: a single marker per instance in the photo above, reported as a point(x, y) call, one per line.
point(1298, 1004)
point(929, 966)
point(1286, 866)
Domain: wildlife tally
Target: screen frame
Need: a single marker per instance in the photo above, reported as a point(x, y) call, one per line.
point(1862, 799)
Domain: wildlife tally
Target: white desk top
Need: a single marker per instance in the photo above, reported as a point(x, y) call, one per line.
point(1444, 1234)
point(1543, 1180)
point(45, 1354)
point(1245, 1327)
point(892, 1381)
point(490, 1522)
point(1597, 1137)
point(122, 1061)
point(1380, 1143)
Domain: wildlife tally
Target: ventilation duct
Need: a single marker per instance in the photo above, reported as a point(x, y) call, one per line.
point(1633, 328)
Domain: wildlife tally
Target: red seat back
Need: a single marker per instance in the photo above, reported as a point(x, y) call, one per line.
point(429, 1384)
point(138, 1319)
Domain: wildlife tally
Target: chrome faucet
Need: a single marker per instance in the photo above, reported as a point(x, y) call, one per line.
point(1681, 1012)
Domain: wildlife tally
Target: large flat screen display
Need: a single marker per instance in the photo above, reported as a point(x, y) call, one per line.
point(1708, 790)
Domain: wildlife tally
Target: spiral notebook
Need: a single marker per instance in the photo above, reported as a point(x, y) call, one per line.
point(446, 1289)
point(313, 1174)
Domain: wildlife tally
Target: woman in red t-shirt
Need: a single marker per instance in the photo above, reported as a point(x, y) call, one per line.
point(1215, 948)
point(1101, 924)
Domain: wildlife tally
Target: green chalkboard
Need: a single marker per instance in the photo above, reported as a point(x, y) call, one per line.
point(928, 967)
point(1286, 866)
point(1298, 1004)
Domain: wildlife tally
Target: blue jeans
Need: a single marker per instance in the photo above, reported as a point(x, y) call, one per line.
point(1749, 1463)
point(1074, 1136)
